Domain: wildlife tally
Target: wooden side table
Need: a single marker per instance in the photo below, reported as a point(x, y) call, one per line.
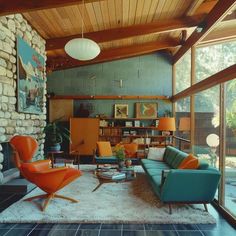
point(76, 156)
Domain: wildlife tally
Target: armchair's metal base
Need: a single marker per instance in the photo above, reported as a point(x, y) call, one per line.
point(48, 199)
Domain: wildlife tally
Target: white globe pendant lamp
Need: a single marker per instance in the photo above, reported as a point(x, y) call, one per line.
point(82, 49)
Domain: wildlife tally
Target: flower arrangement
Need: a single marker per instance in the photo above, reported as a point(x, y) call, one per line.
point(119, 151)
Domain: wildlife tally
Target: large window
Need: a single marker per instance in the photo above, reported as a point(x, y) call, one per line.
point(183, 73)
point(214, 58)
point(230, 147)
point(206, 132)
point(182, 116)
point(214, 139)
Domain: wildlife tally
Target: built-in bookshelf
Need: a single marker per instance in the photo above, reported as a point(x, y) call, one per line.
point(126, 130)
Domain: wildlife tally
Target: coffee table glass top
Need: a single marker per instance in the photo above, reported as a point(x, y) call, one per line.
point(114, 174)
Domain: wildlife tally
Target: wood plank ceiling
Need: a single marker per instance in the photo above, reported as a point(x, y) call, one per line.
point(123, 28)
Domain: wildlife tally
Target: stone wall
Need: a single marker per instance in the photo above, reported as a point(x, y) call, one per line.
point(12, 122)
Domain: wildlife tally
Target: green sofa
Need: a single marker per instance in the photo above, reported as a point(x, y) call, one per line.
point(173, 185)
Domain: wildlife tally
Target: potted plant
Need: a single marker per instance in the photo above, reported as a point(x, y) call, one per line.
point(119, 151)
point(55, 133)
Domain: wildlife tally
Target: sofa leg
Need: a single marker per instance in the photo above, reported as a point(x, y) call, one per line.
point(170, 209)
point(205, 206)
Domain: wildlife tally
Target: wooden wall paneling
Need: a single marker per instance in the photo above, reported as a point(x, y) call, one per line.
point(105, 14)
point(164, 13)
point(139, 11)
point(98, 14)
point(155, 10)
point(146, 8)
point(21, 6)
point(90, 10)
point(206, 7)
point(125, 13)
point(226, 30)
point(60, 108)
point(112, 13)
point(84, 135)
point(119, 13)
point(193, 7)
point(88, 27)
point(132, 11)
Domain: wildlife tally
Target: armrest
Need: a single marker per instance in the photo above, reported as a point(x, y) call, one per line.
point(164, 174)
point(41, 164)
point(190, 185)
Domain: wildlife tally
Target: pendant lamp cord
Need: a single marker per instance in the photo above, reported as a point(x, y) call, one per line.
point(83, 20)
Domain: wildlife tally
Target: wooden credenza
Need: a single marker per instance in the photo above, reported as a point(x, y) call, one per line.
point(84, 134)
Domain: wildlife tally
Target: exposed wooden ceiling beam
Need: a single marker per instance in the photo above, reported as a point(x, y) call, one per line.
point(130, 31)
point(218, 78)
point(193, 7)
point(20, 6)
point(216, 15)
point(111, 54)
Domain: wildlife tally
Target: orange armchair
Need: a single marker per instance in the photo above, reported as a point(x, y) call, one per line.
point(50, 180)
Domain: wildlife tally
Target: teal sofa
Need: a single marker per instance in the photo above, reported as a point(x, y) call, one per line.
point(173, 185)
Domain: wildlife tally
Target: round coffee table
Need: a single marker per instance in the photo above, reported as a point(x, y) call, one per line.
point(114, 175)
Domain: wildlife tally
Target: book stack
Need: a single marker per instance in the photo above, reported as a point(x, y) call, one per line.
point(114, 175)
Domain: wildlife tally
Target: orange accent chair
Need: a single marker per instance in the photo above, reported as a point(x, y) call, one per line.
point(50, 180)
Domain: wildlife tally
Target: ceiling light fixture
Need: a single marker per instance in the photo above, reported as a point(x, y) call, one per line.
point(82, 49)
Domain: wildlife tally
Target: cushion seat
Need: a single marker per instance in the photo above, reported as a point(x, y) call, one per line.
point(153, 172)
point(157, 166)
point(106, 160)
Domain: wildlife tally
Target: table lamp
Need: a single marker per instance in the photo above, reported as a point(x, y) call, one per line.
point(184, 125)
point(166, 124)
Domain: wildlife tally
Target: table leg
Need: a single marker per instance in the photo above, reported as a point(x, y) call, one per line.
point(52, 159)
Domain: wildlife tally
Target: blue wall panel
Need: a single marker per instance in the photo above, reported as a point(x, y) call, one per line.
point(144, 75)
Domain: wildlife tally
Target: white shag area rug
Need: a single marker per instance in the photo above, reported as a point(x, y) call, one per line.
point(125, 202)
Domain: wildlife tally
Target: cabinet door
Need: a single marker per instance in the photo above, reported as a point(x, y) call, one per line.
point(84, 135)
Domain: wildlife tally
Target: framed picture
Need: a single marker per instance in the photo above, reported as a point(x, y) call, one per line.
point(121, 111)
point(30, 79)
point(146, 110)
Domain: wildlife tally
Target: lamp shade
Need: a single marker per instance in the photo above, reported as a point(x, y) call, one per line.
point(82, 49)
point(166, 124)
point(184, 123)
point(213, 140)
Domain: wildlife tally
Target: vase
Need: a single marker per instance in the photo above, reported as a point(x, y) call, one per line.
point(55, 147)
point(128, 163)
point(121, 164)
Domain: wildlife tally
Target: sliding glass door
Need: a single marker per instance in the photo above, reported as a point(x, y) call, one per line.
point(229, 189)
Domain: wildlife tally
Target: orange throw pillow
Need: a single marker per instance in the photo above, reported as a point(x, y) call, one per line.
point(187, 159)
point(131, 149)
point(193, 164)
point(104, 149)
